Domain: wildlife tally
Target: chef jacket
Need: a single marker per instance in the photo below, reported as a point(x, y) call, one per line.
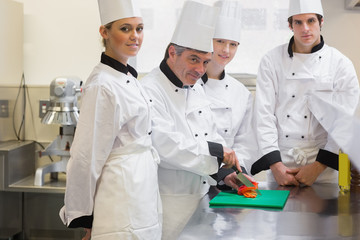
point(112, 172)
point(184, 133)
point(185, 136)
point(232, 106)
point(287, 130)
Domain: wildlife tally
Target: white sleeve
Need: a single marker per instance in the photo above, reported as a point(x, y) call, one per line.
point(95, 134)
point(265, 102)
point(346, 94)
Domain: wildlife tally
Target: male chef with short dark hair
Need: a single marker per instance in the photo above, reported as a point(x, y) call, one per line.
point(292, 142)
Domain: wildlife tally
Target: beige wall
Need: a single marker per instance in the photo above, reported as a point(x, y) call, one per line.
point(60, 41)
point(11, 43)
point(61, 36)
point(34, 129)
point(341, 30)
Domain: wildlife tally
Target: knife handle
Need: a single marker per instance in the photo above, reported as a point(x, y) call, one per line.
point(235, 169)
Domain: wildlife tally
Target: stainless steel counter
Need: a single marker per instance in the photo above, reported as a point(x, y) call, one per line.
point(17, 169)
point(28, 211)
point(317, 212)
point(50, 185)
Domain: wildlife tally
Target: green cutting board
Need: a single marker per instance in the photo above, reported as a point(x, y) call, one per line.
point(267, 199)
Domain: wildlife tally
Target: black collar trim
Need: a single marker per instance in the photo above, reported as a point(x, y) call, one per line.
point(222, 75)
point(314, 49)
point(170, 74)
point(105, 59)
point(205, 77)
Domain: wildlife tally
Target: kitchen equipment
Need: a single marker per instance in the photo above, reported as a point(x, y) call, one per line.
point(267, 199)
point(63, 110)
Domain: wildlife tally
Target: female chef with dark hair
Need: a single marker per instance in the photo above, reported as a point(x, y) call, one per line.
point(112, 185)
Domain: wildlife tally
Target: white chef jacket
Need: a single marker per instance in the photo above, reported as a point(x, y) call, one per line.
point(283, 121)
point(232, 106)
point(182, 126)
point(112, 172)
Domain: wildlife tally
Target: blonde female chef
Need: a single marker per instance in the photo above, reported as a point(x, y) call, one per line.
point(112, 184)
point(231, 101)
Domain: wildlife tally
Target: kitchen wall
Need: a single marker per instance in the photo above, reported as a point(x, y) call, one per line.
point(60, 37)
point(341, 30)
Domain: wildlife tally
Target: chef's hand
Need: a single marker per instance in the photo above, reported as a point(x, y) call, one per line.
point(230, 159)
point(233, 181)
point(309, 173)
point(87, 234)
point(282, 176)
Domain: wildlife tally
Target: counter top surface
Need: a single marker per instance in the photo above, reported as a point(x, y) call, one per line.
point(50, 185)
point(316, 212)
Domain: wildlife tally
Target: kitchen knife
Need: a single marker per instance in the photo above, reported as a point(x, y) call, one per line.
point(244, 179)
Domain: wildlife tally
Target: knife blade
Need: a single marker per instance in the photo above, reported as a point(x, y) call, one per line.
point(244, 179)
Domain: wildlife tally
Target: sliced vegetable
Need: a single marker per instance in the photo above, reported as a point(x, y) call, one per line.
point(248, 192)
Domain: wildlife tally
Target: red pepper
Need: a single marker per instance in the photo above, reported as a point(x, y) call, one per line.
point(248, 192)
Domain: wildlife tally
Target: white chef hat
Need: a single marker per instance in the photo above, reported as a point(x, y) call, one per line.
point(305, 6)
point(112, 10)
point(196, 26)
point(229, 22)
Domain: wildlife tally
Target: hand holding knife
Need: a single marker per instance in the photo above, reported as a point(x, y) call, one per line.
point(230, 159)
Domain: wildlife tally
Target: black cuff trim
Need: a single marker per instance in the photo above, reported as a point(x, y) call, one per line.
point(328, 159)
point(265, 162)
point(217, 150)
point(222, 173)
point(82, 222)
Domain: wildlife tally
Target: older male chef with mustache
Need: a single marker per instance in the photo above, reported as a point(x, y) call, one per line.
point(292, 142)
point(184, 131)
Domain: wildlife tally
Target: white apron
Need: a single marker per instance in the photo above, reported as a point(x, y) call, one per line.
point(126, 200)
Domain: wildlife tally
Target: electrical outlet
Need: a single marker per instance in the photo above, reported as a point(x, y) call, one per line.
point(43, 107)
point(4, 108)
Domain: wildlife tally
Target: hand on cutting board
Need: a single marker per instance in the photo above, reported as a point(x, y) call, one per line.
point(233, 181)
point(307, 174)
point(282, 176)
point(87, 234)
point(230, 159)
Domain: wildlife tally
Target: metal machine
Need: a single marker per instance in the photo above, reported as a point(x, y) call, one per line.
point(64, 92)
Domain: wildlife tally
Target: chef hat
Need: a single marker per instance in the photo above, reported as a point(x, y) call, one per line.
point(305, 6)
point(112, 10)
point(228, 25)
point(196, 26)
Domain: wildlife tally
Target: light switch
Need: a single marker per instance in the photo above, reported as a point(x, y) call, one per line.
point(43, 106)
point(4, 108)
